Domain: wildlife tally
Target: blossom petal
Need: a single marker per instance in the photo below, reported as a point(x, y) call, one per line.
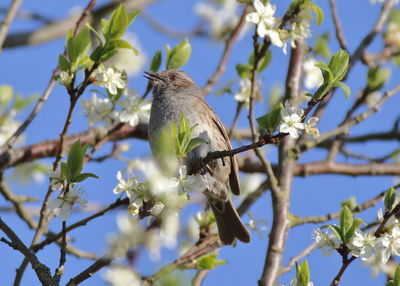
point(253, 18)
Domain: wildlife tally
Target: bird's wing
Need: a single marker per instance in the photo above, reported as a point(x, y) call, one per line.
point(233, 176)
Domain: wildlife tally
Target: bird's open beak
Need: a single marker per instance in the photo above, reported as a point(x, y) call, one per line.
point(153, 76)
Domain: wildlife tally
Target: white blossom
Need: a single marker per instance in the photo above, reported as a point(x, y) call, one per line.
point(310, 127)
point(363, 245)
point(66, 78)
point(133, 109)
point(266, 23)
point(64, 204)
point(109, 78)
point(324, 241)
point(301, 26)
point(392, 221)
point(184, 183)
point(127, 186)
point(221, 15)
point(126, 60)
point(243, 95)
point(97, 109)
point(313, 76)
point(390, 242)
point(121, 276)
point(291, 120)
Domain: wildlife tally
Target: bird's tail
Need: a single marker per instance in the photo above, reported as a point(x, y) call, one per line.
point(228, 221)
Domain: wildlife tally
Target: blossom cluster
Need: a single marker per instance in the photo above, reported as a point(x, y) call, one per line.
point(244, 93)
point(268, 25)
point(292, 122)
point(374, 251)
point(165, 195)
point(132, 109)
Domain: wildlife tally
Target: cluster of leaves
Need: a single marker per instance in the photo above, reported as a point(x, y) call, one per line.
point(348, 225)
point(176, 58)
point(71, 170)
point(78, 46)
point(302, 274)
point(271, 120)
point(333, 73)
point(112, 31)
point(183, 142)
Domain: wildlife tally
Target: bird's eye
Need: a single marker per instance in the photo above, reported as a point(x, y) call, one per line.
point(172, 77)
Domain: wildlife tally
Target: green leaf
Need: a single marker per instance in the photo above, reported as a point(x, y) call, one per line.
point(132, 16)
point(82, 43)
point(183, 127)
point(336, 231)
point(345, 88)
point(396, 278)
point(322, 45)
point(209, 261)
point(326, 71)
point(389, 199)
point(156, 62)
point(271, 120)
point(96, 54)
point(179, 55)
point(244, 70)
point(6, 93)
point(322, 90)
point(64, 169)
point(346, 221)
point(83, 176)
point(71, 46)
point(339, 64)
point(390, 283)
point(99, 37)
point(118, 24)
point(356, 224)
point(104, 26)
point(63, 63)
point(122, 44)
point(108, 55)
point(262, 63)
point(193, 143)
point(318, 12)
point(75, 160)
point(377, 77)
point(167, 50)
point(302, 274)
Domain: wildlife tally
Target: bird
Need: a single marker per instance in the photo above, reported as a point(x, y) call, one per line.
point(175, 93)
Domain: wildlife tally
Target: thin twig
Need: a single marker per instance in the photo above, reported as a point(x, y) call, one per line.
point(227, 50)
point(9, 17)
point(338, 26)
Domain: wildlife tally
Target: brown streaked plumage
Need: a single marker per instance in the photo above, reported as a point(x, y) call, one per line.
point(174, 93)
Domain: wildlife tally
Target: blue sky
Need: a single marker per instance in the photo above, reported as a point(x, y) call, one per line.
point(28, 70)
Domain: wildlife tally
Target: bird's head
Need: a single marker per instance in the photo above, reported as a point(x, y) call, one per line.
point(172, 80)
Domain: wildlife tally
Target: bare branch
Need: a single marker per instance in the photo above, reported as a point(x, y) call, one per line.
point(5, 24)
point(228, 47)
